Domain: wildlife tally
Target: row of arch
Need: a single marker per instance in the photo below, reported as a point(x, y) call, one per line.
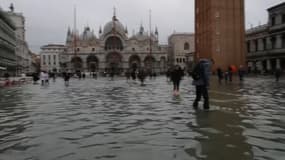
point(114, 60)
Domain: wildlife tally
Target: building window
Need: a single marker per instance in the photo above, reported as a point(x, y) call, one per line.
point(283, 18)
point(78, 49)
point(273, 21)
point(273, 42)
point(93, 49)
point(186, 46)
point(283, 40)
point(248, 46)
point(44, 59)
point(54, 59)
point(177, 60)
point(264, 44)
point(49, 59)
point(133, 49)
point(256, 45)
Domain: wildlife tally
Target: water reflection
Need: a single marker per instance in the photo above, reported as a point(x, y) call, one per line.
point(99, 119)
point(220, 140)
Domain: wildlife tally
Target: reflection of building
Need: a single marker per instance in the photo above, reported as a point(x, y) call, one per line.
point(113, 50)
point(266, 43)
point(220, 31)
point(50, 57)
point(22, 51)
point(7, 45)
point(181, 49)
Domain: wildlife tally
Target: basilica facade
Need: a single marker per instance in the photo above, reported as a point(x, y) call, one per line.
point(113, 50)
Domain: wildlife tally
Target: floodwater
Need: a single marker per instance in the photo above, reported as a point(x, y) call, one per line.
point(116, 120)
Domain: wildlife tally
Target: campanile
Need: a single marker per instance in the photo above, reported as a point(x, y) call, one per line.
point(220, 31)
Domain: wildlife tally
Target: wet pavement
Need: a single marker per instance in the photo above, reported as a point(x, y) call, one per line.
point(101, 119)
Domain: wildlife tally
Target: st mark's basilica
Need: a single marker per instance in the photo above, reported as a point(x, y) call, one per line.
point(113, 50)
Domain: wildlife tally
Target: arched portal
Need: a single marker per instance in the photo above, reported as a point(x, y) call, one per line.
point(134, 62)
point(114, 62)
point(113, 43)
point(77, 63)
point(92, 63)
point(149, 63)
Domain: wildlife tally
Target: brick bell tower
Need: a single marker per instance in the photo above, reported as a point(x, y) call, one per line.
point(220, 31)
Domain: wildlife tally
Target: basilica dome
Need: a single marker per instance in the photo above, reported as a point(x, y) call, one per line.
point(114, 24)
point(143, 36)
point(87, 35)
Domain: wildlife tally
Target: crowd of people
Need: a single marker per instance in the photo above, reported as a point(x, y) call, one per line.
point(201, 73)
point(140, 74)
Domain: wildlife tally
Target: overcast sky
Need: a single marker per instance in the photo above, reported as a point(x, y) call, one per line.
point(47, 20)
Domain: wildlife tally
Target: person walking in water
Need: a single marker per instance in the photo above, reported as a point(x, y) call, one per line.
point(226, 76)
point(83, 75)
point(53, 76)
point(176, 76)
point(66, 77)
point(241, 73)
point(230, 73)
point(277, 74)
point(42, 77)
point(46, 77)
point(220, 75)
point(133, 74)
point(35, 77)
point(142, 76)
point(128, 74)
point(168, 74)
point(201, 80)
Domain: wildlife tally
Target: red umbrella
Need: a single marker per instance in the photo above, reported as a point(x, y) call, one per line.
point(234, 68)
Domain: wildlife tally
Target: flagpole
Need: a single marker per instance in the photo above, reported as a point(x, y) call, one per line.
point(150, 45)
point(74, 34)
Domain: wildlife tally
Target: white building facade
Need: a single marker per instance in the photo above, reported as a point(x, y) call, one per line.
point(181, 49)
point(266, 43)
point(7, 45)
point(50, 57)
point(23, 56)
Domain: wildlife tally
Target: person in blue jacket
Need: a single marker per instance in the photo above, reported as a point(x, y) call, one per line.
point(202, 82)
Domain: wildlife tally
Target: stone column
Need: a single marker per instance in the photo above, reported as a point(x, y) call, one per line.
point(268, 64)
point(278, 64)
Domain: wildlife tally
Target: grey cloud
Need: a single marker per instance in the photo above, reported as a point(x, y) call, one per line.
point(47, 21)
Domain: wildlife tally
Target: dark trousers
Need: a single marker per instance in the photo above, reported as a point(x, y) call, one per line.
point(201, 91)
point(176, 84)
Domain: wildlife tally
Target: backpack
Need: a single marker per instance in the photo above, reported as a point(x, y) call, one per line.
point(196, 73)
